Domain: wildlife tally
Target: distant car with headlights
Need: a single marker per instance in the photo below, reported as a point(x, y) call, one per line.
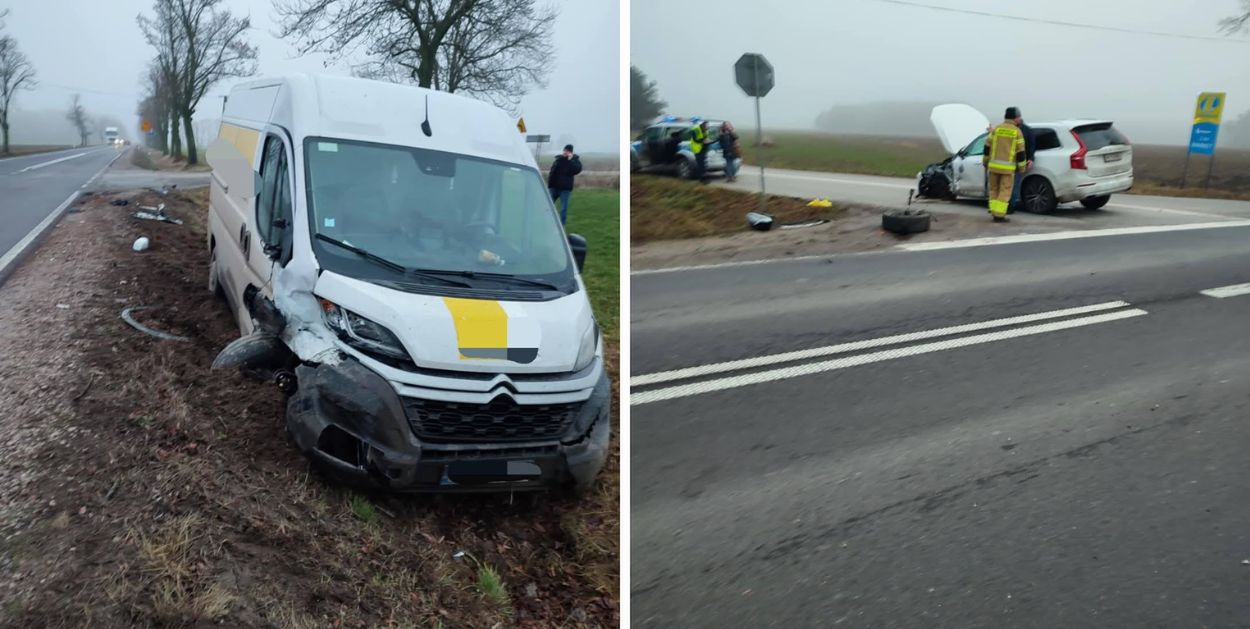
point(1074, 160)
point(665, 147)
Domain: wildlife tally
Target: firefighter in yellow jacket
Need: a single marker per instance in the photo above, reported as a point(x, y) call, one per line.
point(1004, 160)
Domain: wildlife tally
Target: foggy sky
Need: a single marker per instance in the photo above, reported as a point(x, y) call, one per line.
point(95, 48)
point(828, 52)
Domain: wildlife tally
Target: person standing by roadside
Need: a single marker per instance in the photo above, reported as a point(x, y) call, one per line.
point(560, 179)
point(1004, 159)
point(729, 146)
point(1029, 147)
point(698, 146)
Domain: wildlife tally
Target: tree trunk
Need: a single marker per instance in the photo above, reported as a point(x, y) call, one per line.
point(5, 128)
point(174, 139)
point(192, 157)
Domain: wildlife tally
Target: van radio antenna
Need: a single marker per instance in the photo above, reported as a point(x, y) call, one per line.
point(425, 124)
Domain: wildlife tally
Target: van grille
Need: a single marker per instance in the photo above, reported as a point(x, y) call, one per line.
point(500, 420)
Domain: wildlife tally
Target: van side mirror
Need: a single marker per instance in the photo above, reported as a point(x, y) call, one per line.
point(578, 244)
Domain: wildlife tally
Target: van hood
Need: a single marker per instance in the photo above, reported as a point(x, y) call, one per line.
point(475, 335)
point(957, 124)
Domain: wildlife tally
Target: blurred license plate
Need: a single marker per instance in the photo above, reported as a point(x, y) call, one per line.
point(1114, 157)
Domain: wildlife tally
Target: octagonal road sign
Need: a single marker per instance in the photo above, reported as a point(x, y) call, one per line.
point(754, 74)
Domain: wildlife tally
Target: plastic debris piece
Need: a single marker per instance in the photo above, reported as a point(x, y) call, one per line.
point(458, 554)
point(119, 202)
point(63, 306)
point(145, 329)
point(141, 244)
point(759, 222)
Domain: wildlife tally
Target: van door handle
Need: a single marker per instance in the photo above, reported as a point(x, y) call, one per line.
point(244, 241)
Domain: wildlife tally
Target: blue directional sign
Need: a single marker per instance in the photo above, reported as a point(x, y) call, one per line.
point(1207, 114)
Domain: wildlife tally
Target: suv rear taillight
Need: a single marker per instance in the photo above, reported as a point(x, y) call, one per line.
point(1077, 160)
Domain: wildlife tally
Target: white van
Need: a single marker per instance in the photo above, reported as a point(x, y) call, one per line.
point(396, 266)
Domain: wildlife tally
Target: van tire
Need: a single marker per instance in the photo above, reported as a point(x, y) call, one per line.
point(685, 170)
point(905, 222)
point(214, 284)
point(1095, 203)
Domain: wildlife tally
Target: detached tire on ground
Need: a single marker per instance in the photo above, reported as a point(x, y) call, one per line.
point(905, 221)
point(1095, 203)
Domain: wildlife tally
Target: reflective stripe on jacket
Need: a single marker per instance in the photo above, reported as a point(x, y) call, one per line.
point(697, 137)
point(1004, 149)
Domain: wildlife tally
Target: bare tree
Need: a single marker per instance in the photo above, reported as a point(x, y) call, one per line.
point(77, 116)
point(198, 44)
point(1239, 22)
point(493, 49)
point(162, 33)
point(16, 73)
point(156, 107)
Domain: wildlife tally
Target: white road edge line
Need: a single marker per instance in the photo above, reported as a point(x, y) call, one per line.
point(16, 250)
point(1068, 235)
point(1131, 206)
point(721, 384)
point(1221, 292)
point(818, 352)
point(49, 163)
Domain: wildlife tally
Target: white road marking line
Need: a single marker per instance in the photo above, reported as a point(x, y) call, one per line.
point(1227, 291)
point(818, 352)
point(709, 386)
point(49, 163)
point(1068, 235)
point(16, 250)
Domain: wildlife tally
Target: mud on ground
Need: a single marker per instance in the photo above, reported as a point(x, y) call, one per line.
point(140, 489)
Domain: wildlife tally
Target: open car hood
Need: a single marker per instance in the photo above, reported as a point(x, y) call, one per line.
point(957, 125)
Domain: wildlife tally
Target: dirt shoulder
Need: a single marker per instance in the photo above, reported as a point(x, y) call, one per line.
point(684, 224)
point(148, 159)
point(140, 488)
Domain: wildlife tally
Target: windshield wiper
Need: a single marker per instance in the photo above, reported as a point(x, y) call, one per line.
point(503, 277)
point(390, 264)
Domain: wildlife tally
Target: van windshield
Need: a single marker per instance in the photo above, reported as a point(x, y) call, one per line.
point(433, 211)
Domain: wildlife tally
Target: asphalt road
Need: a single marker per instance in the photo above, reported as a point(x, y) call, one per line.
point(1123, 210)
point(33, 186)
point(1060, 469)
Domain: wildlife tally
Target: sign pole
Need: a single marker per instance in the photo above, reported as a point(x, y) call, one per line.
point(1185, 172)
point(1210, 167)
point(759, 136)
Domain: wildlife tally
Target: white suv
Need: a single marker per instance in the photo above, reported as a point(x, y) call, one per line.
point(1074, 160)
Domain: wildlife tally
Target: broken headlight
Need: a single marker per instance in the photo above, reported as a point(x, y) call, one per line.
point(361, 333)
point(589, 347)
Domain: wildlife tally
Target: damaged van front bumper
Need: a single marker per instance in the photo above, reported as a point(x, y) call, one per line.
point(354, 423)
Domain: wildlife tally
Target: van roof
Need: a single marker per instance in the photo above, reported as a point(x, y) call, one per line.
point(349, 108)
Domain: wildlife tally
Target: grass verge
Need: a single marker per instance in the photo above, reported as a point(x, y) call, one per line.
point(665, 208)
point(188, 506)
point(596, 214)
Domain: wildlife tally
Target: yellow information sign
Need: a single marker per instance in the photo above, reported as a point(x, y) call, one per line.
point(1210, 107)
point(145, 125)
point(520, 125)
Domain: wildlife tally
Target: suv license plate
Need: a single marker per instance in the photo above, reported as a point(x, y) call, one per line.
point(1115, 157)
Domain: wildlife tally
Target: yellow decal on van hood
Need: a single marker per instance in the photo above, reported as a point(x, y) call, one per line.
point(482, 332)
